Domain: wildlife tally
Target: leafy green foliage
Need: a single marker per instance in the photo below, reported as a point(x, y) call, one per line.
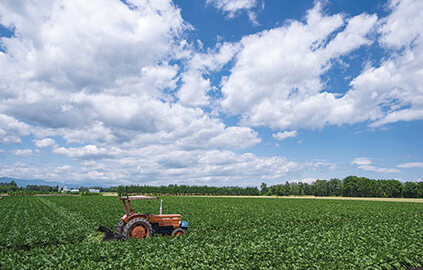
point(224, 233)
point(351, 186)
point(6, 187)
point(87, 193)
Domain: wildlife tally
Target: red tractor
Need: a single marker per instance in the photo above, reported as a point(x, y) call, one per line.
point(136, 225)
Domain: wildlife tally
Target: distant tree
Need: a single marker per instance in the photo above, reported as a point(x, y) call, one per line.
point(83, 189)
point(410, 190)
point(321, 188)
point(295, 189)
point(287, 189)
point(391, 188)
point(420, 189)
point(335, 187)
point(350, 186)
point(8, 186)
point(308, 189)
point(277, 190)
point(263, 188)
point(301, 188)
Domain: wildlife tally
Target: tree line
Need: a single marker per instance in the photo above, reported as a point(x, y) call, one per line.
point(13, 189)
point(351, 186)
point(188, 190)
point(8, 186)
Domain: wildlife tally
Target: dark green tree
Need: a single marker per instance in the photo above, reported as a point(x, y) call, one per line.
point(410, 190)
point(263, 188)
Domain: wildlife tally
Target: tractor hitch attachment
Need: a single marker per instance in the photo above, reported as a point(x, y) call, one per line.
point(109, 233)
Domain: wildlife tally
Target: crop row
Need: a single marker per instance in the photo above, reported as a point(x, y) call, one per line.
point(36, 222)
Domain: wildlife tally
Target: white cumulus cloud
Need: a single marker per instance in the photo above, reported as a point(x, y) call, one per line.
point(231, 7)
point(195, 86)
point(411, 165)
point(361, 161)
point(47, 142)
point(127, 98)
point(23, 152)
point(280, 136)
point(393, 90)
point(366, 165)
point(276, 80)
point(12, 130)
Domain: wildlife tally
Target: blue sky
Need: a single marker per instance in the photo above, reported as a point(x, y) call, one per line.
point(216, 92)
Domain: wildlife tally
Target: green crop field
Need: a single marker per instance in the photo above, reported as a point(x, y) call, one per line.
point(224, 233)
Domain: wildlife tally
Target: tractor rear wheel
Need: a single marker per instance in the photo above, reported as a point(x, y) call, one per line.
point(120, 227)
point(178, 232)
point(137, 228)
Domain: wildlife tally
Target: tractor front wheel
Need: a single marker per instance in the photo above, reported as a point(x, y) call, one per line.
point(178, 232)
point(137, 228)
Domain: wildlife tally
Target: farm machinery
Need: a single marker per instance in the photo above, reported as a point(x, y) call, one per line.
point(137, 225)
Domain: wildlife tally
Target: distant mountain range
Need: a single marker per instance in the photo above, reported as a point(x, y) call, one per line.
point(25, 182)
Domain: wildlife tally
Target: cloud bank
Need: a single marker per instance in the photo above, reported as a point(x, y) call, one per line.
point(120, 94)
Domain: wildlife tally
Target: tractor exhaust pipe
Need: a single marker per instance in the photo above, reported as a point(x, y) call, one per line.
point(161, 206)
